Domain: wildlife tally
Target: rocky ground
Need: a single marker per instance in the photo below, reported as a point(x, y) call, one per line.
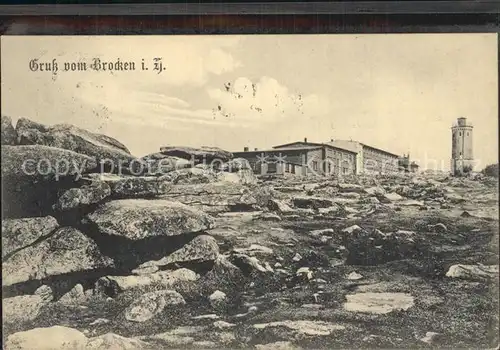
point(186, 256)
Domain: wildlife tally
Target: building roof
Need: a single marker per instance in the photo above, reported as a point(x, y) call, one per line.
point(303, 148)
point(380, 150)
point(314, 144)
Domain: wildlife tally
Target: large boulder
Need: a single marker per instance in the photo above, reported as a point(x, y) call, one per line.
point(151, 304)
point(114, 285)
point(125, 186)
point(137, 219)
point(32, 176)
point(111, 341)
point(473, 272)
point(56, 337)
point(202, 248)
point(243, 176)
point(66, 251)
point(69, 137)
point(215, 197)
point(202, 154)
point(38, 162)
point(23, 308)
point(20, 233)
point(190, 176)
point(9, 134)
point(84, 196)
point(160, 164)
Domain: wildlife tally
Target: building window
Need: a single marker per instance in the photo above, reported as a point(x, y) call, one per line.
point(315, 165)
point(460, 134)
point(467, 134)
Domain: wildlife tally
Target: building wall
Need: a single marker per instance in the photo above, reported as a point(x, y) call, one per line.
point(320, 161)
point(376, 161)
point(353, 146)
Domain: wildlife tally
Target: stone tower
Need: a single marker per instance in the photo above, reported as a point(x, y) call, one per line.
point(462, 159)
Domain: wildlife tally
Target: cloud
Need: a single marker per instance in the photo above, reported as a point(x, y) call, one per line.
point(219, 61)
point(263, 100)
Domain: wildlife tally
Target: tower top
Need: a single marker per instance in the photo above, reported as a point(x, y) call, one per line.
point(462, 121)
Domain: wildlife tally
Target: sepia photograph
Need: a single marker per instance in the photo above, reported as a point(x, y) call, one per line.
point(268, 192)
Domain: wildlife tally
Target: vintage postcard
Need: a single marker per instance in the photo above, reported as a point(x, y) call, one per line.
point(250, 191)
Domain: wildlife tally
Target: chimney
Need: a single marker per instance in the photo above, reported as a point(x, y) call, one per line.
point(256, 149)
point(331, 140)
point(245, 149)
point(305, 139)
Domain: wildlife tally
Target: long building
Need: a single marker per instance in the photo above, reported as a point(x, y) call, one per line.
point(369, 159)
point(304, 158)
point(337, 157)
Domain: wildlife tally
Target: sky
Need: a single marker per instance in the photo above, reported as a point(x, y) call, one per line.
point(397, 92)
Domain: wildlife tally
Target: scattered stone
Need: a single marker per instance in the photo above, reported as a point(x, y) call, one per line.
point(279, 206)
point(326, 231)
point(217, 298)
point(45, 292)
point(254, 249)
point(99, 321)
point(349, 230)
point(430, 337)
point(312, 306)
point(223, 325)
point(279, 345)
point(204, 344)
point(55, 337)
point(74, 296)
point(350, 188)
point(305, 272)
point(206, 317)
point(473, 272)
point(297, 257)
point(375, 191)
point(438, 228)
point(137, 219)
point(268, 217)
point(247, 263)
point(378, 303)
point(354, 276)
point(151, 304)
point(305, 327)
point(312, 202)
point(391, 197)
